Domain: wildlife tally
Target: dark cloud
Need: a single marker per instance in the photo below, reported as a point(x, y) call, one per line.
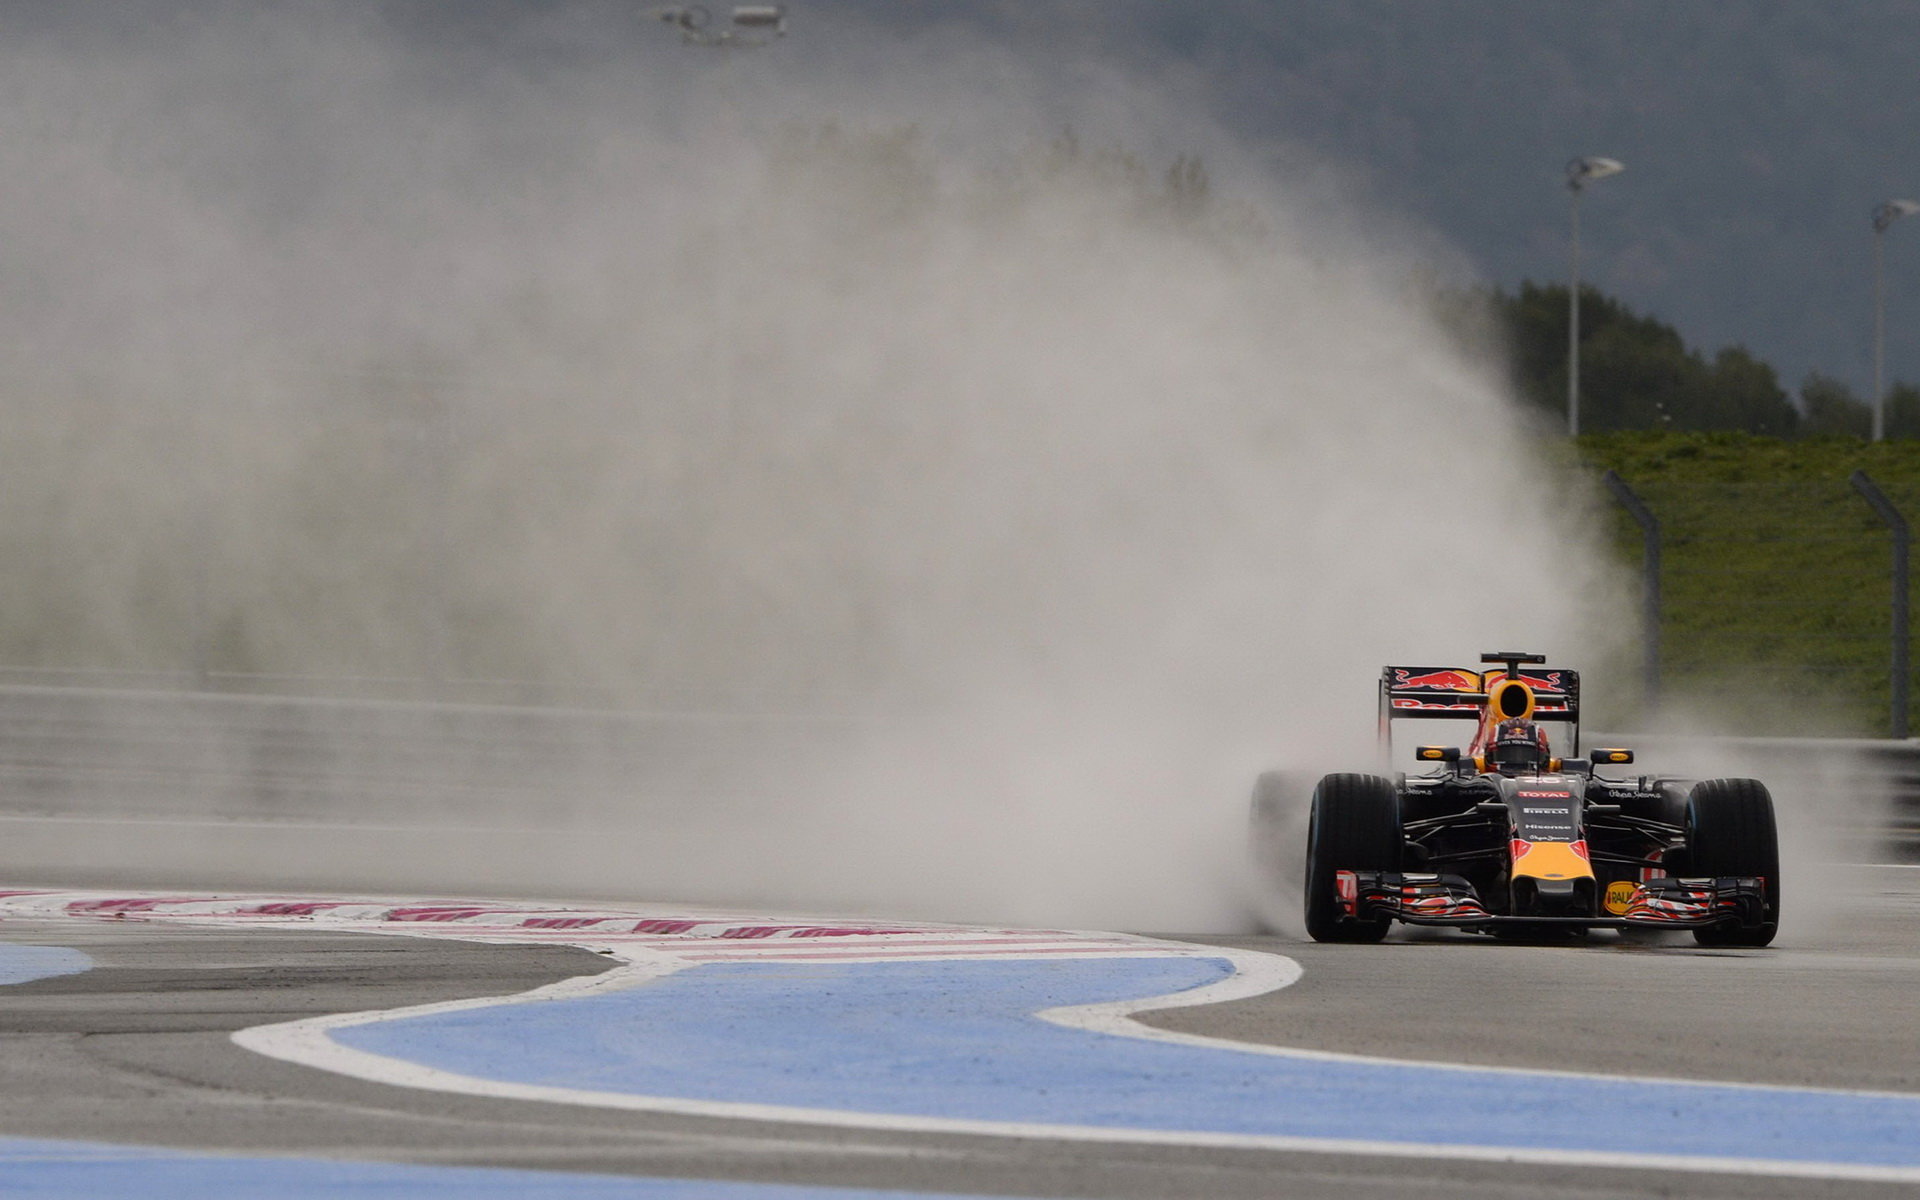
point(1758, 135)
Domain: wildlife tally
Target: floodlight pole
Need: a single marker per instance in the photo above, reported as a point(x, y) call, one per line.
point(1884, 214)
point(1649, 580)
point(1900, 668)
point(752, 26)
point(1580, 172)
point(1573, 316)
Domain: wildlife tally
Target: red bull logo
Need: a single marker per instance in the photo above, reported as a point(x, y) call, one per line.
point(1446, 680)
point(1549, 688)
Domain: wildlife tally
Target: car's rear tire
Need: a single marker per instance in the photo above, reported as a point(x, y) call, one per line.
point(1731, 831)
point(1354, 826)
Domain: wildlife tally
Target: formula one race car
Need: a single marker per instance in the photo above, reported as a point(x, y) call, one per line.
point(1506, 837)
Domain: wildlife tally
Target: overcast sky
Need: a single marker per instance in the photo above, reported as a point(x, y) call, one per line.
point(1757, 135)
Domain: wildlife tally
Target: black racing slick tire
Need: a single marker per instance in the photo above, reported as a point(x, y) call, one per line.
point(1354, 826)
point(1731, 831)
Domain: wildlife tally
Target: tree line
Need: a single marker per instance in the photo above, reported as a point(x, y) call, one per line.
point(1636, 372)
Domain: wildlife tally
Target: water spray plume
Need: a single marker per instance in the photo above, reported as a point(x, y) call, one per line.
point(1085, 488)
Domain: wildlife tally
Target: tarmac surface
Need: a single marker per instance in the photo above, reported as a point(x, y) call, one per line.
point(136, 1051)
point(1831, 1005)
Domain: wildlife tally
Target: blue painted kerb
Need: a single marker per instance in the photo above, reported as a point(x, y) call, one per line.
point(958, 1039)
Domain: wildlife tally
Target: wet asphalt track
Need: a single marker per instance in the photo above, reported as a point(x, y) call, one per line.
point(135, 1051)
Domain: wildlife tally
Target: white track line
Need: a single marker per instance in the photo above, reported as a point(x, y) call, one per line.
point(308, 1042)
point(644, 958)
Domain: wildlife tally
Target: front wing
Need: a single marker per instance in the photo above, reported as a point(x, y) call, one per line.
point(1419, 899)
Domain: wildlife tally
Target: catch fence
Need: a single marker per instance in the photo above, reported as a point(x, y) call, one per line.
point(1781, 604)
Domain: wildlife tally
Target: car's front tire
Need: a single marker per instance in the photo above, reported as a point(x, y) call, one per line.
point(1731, 831)
point(1354, 826)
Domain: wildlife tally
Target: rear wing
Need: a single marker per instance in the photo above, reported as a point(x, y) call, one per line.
point(1462, 693)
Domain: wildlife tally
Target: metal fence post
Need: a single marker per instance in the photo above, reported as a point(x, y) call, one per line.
point(1650, 579)
point(1901, 535)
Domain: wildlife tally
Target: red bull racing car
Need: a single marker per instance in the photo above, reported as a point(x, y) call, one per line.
point(1504, 835)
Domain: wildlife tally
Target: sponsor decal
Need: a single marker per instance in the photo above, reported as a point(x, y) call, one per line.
point(1549, 679)
point(1550, 859)
point(1550, 824)
point(1526, 795)
point(1453, 681)
point(1620, 894)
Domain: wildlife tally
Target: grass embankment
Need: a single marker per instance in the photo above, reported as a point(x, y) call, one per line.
point(1776, 583)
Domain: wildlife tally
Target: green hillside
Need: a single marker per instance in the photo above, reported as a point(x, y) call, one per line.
point(1776, 584)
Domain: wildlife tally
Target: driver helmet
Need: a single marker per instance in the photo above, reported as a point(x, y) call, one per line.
point(1518, 745)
